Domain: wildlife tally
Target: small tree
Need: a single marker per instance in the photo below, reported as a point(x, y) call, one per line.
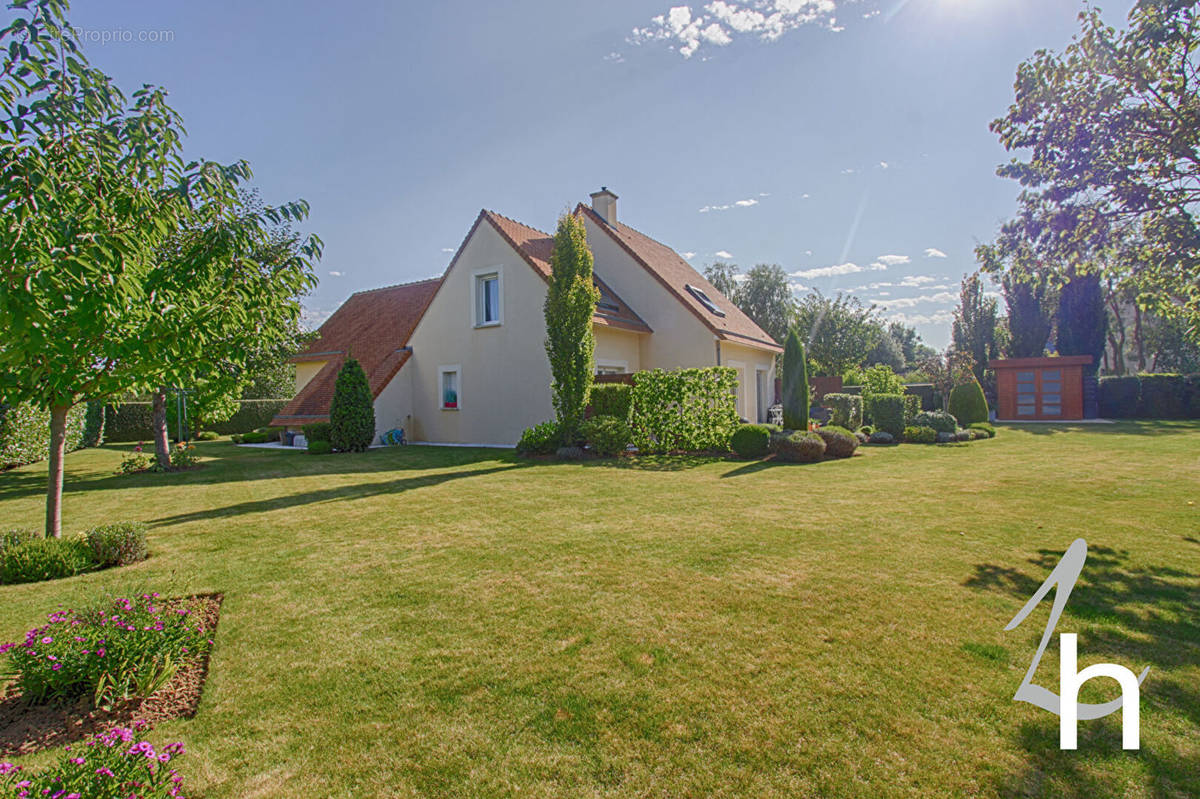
point(570, 305)
point(352, 412)
point(795, 384)
point(974, 330)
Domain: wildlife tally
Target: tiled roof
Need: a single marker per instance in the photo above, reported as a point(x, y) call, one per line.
point(372, 326)
point(676, 274)
point(535, 247)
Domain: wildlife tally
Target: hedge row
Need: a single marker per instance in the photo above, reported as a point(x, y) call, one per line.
point(131, 421)
point(684, 409)
point(25, 433)
point(1162, 396)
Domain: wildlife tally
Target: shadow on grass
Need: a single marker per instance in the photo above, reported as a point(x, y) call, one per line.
point(1143, 427)
point(341, 493)
point(1136, 616)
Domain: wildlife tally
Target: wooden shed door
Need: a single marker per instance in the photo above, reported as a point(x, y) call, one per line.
point(1039, 393)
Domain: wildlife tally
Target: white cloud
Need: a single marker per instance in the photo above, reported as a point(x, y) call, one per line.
point(747, 203)
point(335, 274)
point(615, 57)
point(723, 254)
point(941, 298)
point(835, 270)
point(804, 196)
point(872, 286)
point(939, 318)
point(913, 281)
point(933, 252)
point(447, 249)
point(871, 14)
point(893, 260)
point(849, 171)
point(718, 22)
point(687, 256)
point(883, 164)
point(796, 285)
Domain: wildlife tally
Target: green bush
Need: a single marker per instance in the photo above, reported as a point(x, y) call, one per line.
point(320, 447)
point(16, 536)
point(839, 442)
point(541, 439)
point(250, 415)
point(912, 405)
point(940, 421)
point(1192, 384)
point(607, 435)
point(984, 427)
point(117, 544)
point(798, 447)
point(880, 379)
point(317, 431)
point(847, 409)
point(866, 428)
point(1150, 396)
point(25, 433)
point(1162, 396)
point(207, 435)
point(1118, 396)
point(796, 409)
point(886, 412)
point(256, 438)
point(612, 399)
point(126, 422)
point(684, 409)
point(352, 411)
point(880, 437)
point(93, 425)
point(751, 440)
point(921, 435)
point(38, 559)
point(967, 403)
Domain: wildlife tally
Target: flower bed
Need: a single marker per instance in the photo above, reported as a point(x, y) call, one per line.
point(87, 671)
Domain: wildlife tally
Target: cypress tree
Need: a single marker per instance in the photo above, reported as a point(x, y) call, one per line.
point(352, 412)
point(795, 384)
point(570, 344)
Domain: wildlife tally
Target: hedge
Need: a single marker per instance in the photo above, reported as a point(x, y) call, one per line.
point(684, 409)
point(131, 421)
point(611, 399)
point(25, 433)
point(847, 409)
point(1150, 396)
point(968, 404)
point(887, 412)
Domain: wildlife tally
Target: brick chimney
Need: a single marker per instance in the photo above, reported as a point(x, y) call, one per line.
point(604, 202)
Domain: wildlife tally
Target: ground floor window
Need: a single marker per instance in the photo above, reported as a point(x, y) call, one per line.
point(449, 376)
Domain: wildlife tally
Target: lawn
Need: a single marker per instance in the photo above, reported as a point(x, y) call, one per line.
point(460, 623)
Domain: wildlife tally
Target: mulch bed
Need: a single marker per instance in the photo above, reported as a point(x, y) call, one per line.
point(25, 728)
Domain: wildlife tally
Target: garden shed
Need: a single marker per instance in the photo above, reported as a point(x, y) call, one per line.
point(1040, 388)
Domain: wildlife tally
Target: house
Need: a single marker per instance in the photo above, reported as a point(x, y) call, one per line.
point(461, 359)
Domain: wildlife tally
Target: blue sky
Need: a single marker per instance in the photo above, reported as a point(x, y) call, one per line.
point(846, 141)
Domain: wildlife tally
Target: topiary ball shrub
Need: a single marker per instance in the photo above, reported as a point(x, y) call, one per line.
point(611, 399)
point(38, 559)
point(946, 438)
point(846, 409)
point(798, 447)
point(320, 447)
point(988, 430)
point(940, 421)
point(607, 435)
point(887, 413)
point(922, 435)
point(352, 411)
point(541, 439)
point(751, 440)
point(880, 437)
point(207, 435)
point(317, 431)
point(839, 442)
point(967, 404)
point(117, 544)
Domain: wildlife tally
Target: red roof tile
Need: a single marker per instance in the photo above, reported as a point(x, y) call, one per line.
point(372, 326)
point(676, 274)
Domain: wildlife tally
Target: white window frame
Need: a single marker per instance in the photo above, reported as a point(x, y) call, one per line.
point(456, 370)
point(477, 278)
point(606, 364)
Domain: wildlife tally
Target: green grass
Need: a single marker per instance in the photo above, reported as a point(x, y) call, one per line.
point(460, 623)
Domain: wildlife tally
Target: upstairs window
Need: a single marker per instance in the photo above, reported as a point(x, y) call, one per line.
point(487, 299)
point(705, 301)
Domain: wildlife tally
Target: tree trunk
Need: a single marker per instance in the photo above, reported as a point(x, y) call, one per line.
point(158, 421)
point(58, 451)
point(1137, 334)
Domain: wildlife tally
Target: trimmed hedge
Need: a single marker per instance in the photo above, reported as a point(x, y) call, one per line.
point(847, 409)
point(986, 428)
point(940, 421)
point(839, 442)
point(541, 439)
point(798, 447)
point(914, 434)
point(352, 411)
point(751, 440)
point(320, 447)
point(606, 435)
point(93, 425)
point(127, 422)
point(250, 415)
point(684, 409)
point(1150, 396)
point(612, 399)
point(317, 431)
point(25, 433)
point(912, 405)
point(887, 413)
point(967, 404)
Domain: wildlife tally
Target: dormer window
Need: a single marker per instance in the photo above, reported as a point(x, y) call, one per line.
point(487, 298)
point(607, 302)
point(704, 300)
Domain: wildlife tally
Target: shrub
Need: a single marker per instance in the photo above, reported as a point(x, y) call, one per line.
point(207, 435)
point(256, 438)
point(612, 399)
point(117, 544)
point(795, 384)
point(967, 403)
point(1162, 397)
point(751, 440)
point(607, 435)
point(880, 379)
point(317, 431)
point(887, 412)
point(319, 447)
point(36, 559)
point(987, 429)
point(107, 767)
point(921, 435)
point(250, 415)
point(93, 425)
point(946, 438)
point(137, 461)
point(25, 433)
point(684, 409)
point(128, 421)
point(940, 421)
point(862, 437)
point(237, 438)
point(839, 442)
point(912, 405)
point(541, 439)
point(881, 437)
point(963, 435)
point(847, 409)
point(866, 428)
point(115, 650)
point(183, 456)
point(798, 447)
point(352, 411)
point(1192, 383)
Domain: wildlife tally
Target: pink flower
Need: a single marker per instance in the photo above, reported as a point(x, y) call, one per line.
point(9, 768)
